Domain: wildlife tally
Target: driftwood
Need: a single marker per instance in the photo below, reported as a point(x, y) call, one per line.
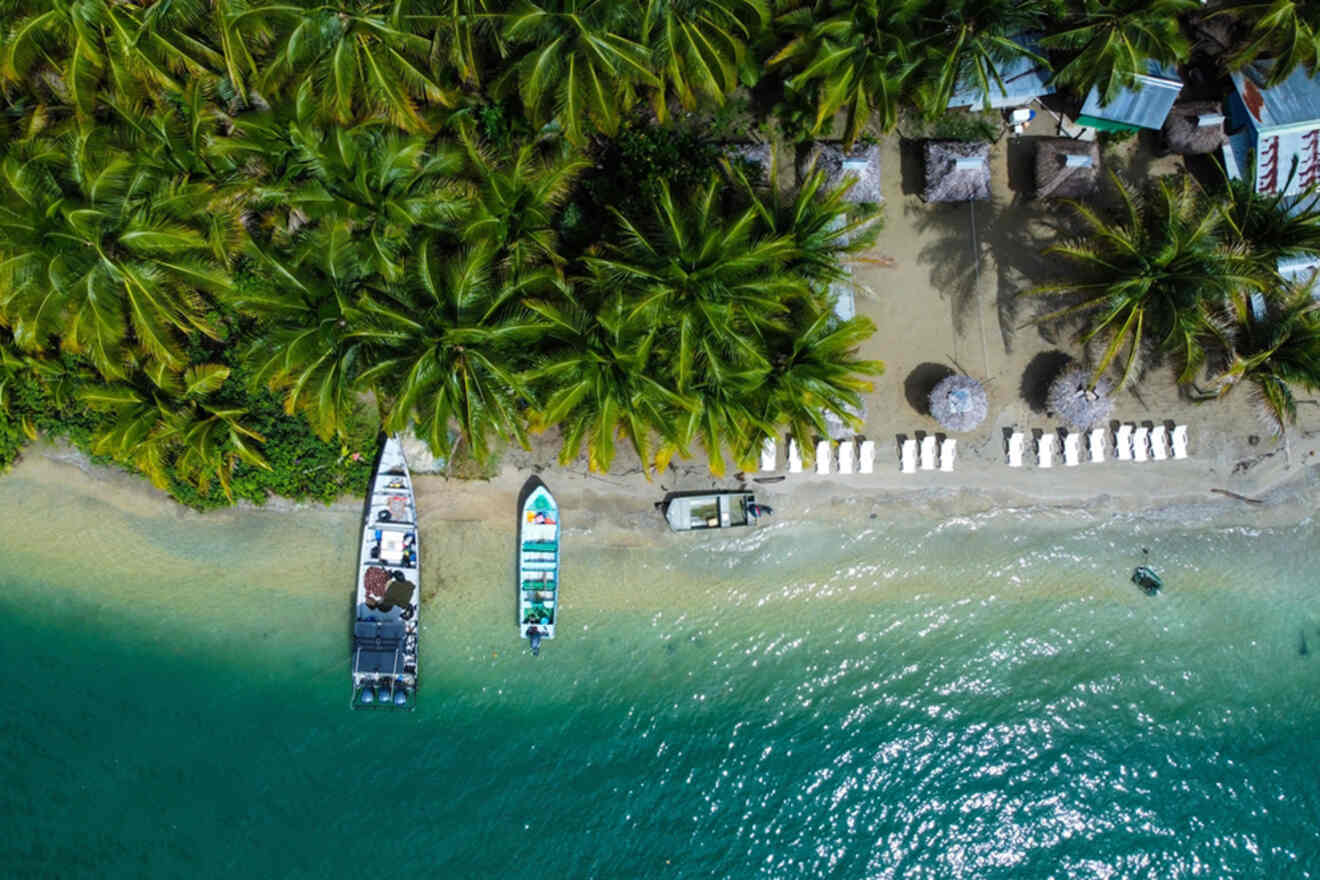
point(1237, 496)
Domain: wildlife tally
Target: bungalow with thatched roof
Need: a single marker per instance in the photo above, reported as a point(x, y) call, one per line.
point(1194, 128)
point(861, 164)
point(1066, 168)
point(1012, 83)
point(1280, 125)
point(957, 171)
point(1145, 103)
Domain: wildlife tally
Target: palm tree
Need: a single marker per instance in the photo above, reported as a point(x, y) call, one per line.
point(712, 282)
point(599, 384)
point(105, 252)
point(1157, 271)
point(577, 62)
point(1286, 33)
point(968, 41)
point(176, 432)
point(1111, 41)
point(699, 47)
point(855, 56)
point(450, 343)
point(354, 61)
point(1272, 226)
point(1274, 352)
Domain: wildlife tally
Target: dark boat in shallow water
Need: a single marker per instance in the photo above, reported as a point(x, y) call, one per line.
point(388, 597)
point(1145, 577)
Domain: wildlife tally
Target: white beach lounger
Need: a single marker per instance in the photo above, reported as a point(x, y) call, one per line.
point(1159, 443)
point(794, 458)
point(1139, 440)
point(1180, 441)
point(847, 454)
point(769, 455)
point(823, 457)
point(1045, 450)
point(866, 457)
point(1123, 443)
point(1015, 444)
point(928, 452)
point(1097, 445)
point(908, 458)
point(947, 450)
point(1072, 449)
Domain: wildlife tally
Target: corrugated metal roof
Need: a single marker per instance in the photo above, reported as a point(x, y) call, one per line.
point(1146, 107)
point(1024, 79)
point(1295, 101)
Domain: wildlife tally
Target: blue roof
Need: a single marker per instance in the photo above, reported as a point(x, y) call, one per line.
point(1147, 107)
point(1295, 101)
point(1023, 78)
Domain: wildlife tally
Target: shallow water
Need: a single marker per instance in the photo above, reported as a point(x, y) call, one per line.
point(849, 697)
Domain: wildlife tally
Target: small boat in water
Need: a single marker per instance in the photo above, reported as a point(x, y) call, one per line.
point(689, 511)
point(1145, 577)
point(538, 565)
point(388, 597)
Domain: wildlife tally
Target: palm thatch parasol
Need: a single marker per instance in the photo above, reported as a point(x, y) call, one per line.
point(1194, 128)
point(958, 403)
point(1066, 168)
point(1074, 402)
point(860, 164)
point(957, 171)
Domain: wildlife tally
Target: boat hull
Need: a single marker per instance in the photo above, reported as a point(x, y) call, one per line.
point(387, 601)
point(538, 564)
point(693, 511)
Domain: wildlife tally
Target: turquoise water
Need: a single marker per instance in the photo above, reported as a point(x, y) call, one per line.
point(982, 697)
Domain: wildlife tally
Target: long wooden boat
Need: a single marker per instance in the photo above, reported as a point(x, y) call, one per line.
point(388, 599)
point(689, 511)
point(538, 566)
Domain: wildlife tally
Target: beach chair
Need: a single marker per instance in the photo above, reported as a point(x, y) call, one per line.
point(794, 458)
point(928, 452)
point(1123, 443)
point(907, 460)
point(1140, 437)
point(1015, 444)
point(769, 455)
point(823, 457)
point(866, 457)
point(847, 454)
point(1180, 441)
point(1045, 450)
point(1097, 445)
point(1072, 449)
point(1159, 443)
point(947, 450)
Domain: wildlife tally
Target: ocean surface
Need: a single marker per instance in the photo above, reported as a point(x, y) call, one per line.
point(827, 696)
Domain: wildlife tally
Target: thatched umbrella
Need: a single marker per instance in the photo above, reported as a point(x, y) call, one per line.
point(1079, 406)
point(1194, 128)
point(1066, 168)
point(957, 171)
point(959, 403)
point(860, 164)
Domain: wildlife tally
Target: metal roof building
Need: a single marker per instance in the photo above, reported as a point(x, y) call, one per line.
point(1144, 104)
point(1280, 125)
point(1021, 79)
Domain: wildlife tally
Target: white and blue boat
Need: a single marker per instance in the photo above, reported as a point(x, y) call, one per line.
point(388, 598)
point(538, 565)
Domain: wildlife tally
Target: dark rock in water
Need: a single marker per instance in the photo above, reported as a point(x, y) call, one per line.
point(670, 647)
point(1301, 646)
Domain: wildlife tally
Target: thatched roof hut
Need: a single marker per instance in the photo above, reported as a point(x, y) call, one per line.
point(958, 403)
point(957, 171)
point(1066, 168)
point(1194, 128)
point(1072, 400)
point(860, 164)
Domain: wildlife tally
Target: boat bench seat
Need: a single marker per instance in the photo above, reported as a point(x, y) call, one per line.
point(538, 585)
point(541, 546)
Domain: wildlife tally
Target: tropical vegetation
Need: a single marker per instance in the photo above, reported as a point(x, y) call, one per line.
point(239, 238)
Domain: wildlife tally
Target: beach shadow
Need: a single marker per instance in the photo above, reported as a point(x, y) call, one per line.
point(921, 381)
point(1021, 161)
point(1038, 375)
point(912, 167)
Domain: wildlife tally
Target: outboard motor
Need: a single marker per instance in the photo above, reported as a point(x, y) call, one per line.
point(400, 698)
point(534, 635)
point(368, 695)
